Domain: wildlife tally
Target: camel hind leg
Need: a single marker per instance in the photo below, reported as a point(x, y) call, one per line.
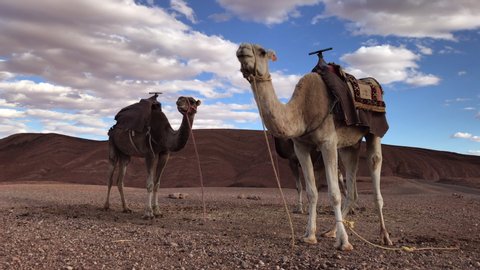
point(162, 162)
point(123, 163)
point(151, 162)
point(374, 159)
point(349, 157)
point(330, 159)
point(294, 166)
point(303, 154)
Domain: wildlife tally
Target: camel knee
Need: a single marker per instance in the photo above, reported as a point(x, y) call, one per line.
point(375, 161)
point(150, 187)
point(336, 198)
point(378, 200)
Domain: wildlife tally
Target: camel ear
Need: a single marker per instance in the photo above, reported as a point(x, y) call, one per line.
point(271, 55)
point(198, 102)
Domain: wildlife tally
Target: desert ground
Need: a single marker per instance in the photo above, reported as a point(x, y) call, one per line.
point(52, 225)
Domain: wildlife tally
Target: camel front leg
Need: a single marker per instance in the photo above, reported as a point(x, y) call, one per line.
point(303, 154)
point(151, 162)
point(374, 159)
point(330, 159)
point(296, 173)
point(162, 162)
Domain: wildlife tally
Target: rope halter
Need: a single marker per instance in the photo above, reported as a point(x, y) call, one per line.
point(253, 78)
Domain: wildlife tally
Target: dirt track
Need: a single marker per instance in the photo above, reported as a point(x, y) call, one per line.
point(62, 226)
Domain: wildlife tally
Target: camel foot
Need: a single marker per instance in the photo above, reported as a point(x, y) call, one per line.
point(298, 210)
point(343, 246)
point(106, 206)
point(332, 233)
point(147, 217)
point(386, 239)
point(310, 239)
point(156, 211)
point(148, 214)
point(127, 210)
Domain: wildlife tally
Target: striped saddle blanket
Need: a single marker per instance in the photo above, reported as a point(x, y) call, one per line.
point(367, 93)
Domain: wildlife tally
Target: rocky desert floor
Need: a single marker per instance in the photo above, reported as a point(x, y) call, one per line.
point(63, 226)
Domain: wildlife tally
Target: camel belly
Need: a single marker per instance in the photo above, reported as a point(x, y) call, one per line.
point(348, 136)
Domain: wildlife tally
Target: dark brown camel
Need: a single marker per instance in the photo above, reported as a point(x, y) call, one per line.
point(285, 149)
point(156, 151)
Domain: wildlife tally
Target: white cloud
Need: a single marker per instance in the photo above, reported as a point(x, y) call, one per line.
point(466, 135)
point(11, 113)
point(424, 49)
point(417, 19)
point(134, 43)
point(215, 115)
point(181, 7)
point(93, 61)
point(462, 73)
point(284, 84)
point(9, 127)
point(474, 152)
point(420, 79)
point(388, 64)
point(266, 12)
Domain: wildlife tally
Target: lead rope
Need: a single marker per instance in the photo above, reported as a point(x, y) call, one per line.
point(350, 224)
point(268, 78)
point(198, 162)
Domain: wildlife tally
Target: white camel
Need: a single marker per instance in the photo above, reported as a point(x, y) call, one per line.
point(307, 120)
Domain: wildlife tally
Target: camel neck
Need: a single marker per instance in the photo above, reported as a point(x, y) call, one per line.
point(277, 116)
point(179, 138)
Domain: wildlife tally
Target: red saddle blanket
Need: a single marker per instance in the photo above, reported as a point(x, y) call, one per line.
point(367, 93)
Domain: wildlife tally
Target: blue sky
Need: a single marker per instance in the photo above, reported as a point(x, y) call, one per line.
point(68, 67)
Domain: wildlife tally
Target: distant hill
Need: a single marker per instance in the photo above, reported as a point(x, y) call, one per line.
point(228, 158)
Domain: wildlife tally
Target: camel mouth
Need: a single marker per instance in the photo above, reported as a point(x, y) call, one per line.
point(244, 51)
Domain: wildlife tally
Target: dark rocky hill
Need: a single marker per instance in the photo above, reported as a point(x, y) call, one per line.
point(228, 158)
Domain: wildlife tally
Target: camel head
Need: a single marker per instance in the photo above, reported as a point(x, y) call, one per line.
point(187, 105)
point(254, 61)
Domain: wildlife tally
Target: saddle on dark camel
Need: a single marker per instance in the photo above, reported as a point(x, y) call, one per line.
point(358, 102)
point(137, 116)
point(135, 120)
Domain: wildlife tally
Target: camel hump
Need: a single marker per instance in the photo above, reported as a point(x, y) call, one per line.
point(138, 115)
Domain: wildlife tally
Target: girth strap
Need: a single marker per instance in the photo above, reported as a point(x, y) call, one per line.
point(148, 135)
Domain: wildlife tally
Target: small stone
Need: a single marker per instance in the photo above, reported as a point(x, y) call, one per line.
point(177, 195)
point(241, 196)
point(173, 244)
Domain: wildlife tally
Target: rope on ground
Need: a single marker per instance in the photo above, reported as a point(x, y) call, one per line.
point(280, 187)
point(350, 224)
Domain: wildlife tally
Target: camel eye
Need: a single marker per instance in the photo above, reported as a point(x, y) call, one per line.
point(262, 52)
